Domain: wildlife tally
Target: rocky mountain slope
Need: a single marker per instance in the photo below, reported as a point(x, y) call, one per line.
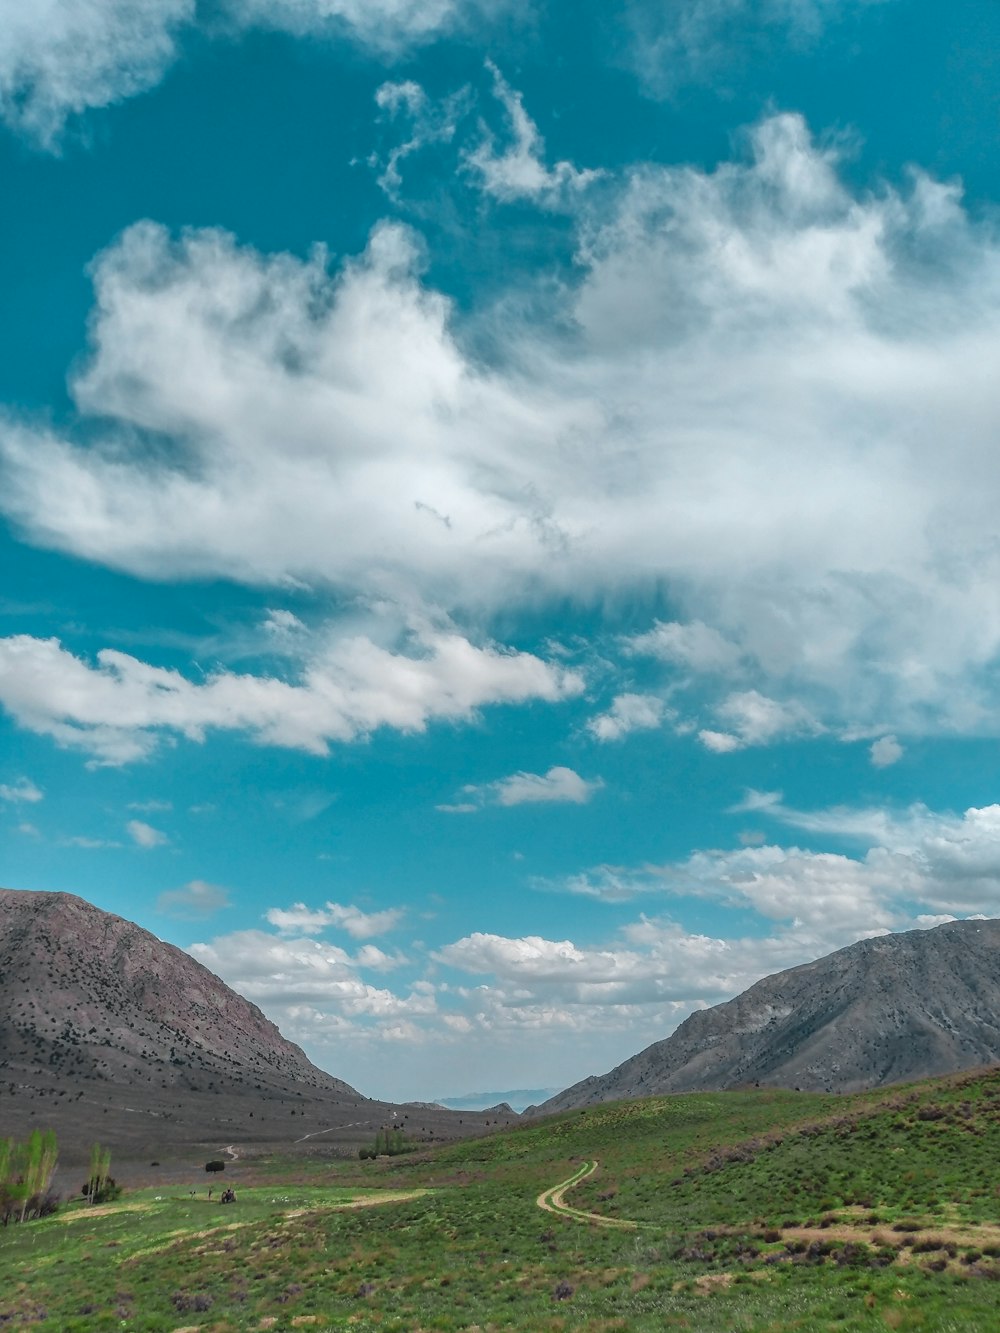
point(86, 993)
point(895, 1007)
point(106, 1031)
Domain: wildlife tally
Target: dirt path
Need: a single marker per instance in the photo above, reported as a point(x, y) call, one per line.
point(334, 1128)
point(553, 1201)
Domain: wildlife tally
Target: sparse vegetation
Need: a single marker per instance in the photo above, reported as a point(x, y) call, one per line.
point(388, 1143)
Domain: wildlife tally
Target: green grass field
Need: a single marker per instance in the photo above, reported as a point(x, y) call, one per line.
point(759, 1210)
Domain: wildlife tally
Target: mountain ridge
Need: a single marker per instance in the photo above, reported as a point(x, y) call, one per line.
point(887, 1008)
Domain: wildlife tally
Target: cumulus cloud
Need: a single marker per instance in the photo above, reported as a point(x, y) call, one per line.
point(628, 713)
point(278, 972)
point(652, 964)
point(763, 362)
point(348, 917)
point(756, 720)
point(21, 790)
point(948, 862)
point(885, 752)
point(144, 835)
point(118, 709)
point(559, 785)
point(518, 171)
point(59, 58)
point(197, 898)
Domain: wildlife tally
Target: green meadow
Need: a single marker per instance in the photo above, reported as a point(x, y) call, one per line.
point(756, 1210)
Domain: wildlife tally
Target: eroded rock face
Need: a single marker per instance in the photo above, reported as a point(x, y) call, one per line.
point(896, 1007)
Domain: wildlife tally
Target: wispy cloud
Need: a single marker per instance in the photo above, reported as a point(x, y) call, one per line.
point(195, 899)
point(360, 925)
point(21, 790)
point(144, 835)
point(518, 170)
point(59, 60)
point(559, 785)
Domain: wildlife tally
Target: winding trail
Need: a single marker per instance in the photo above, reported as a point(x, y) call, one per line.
point(552, 1201)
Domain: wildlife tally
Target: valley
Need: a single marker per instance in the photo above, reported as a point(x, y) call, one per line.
point(750, 1210)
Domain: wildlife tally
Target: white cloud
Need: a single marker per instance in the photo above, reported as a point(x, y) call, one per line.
point(694, 645)
point(431, 122)
point(388, 25)
point(757, 720)
point(276, 972)
point(949, 863)
point(697, 41)
point(21, 790)
point(885, 752)
point(559, 785)
point(195, 899)
point(284, 631)
point(757, 322)
point(628, 713)
point(719, 742)
point(348, 917)
point(59, 58)
point(519, 170)
point(144, 835)
point(117, 709)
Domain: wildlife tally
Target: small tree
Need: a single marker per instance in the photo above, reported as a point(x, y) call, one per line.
point(37, 1163)
point(99, 1176)
point(25, 1175)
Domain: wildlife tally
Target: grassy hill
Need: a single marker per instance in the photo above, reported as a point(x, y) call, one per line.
point(757, 1210)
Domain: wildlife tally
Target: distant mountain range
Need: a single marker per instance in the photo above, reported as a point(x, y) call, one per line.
point(106, 1031)
point(896, 1007)
point(516, 1098)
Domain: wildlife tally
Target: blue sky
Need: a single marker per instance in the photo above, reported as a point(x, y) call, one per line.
point(498, 503)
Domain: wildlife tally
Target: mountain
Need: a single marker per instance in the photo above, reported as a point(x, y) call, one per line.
point(516, 1098)
point(89, 994)
point(896, 1007)
point(106, 1031)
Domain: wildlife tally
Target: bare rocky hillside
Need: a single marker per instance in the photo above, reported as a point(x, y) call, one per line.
point(883, 1010)
point(106, 1031)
